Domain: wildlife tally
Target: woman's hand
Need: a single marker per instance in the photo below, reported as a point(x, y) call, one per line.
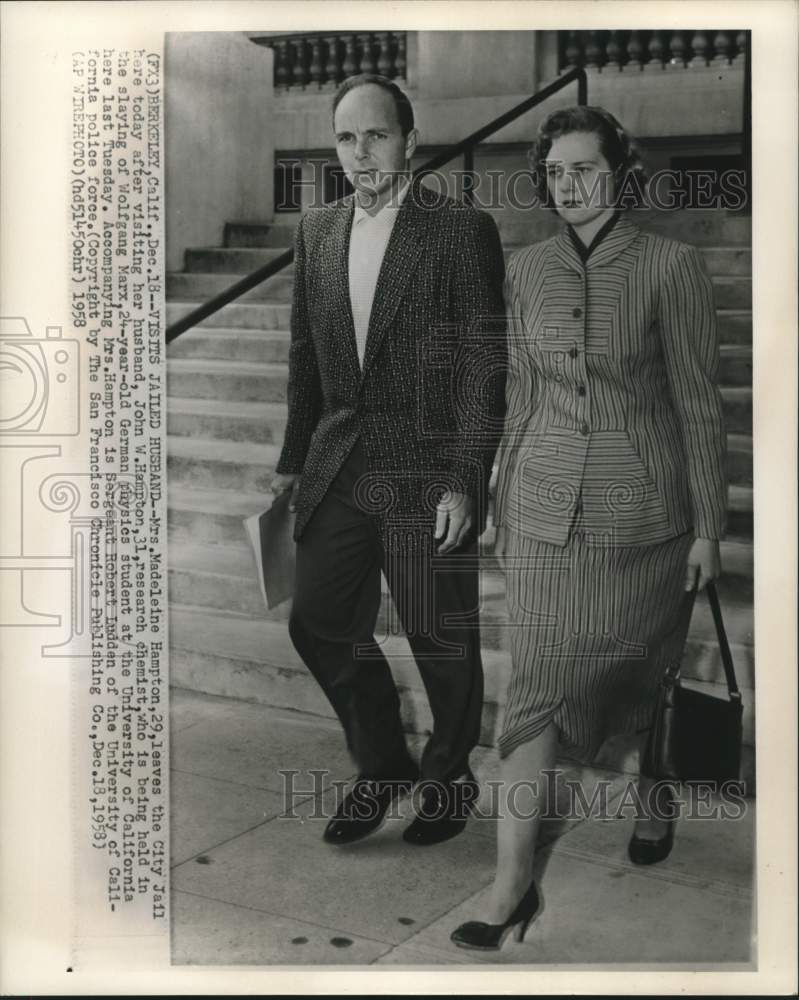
point(704, 563)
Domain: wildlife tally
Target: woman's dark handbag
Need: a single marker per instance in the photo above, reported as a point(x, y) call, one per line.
point(695, 736)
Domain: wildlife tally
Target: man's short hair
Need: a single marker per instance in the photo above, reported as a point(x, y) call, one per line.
point(401, 102)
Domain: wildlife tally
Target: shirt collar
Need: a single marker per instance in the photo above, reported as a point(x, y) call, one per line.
point(389, 210)
point(584, 251)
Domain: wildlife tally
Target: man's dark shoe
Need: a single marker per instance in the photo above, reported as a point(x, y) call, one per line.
point(442, 811)
point(364, 808)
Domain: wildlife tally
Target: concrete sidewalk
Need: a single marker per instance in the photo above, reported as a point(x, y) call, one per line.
point(252, 887)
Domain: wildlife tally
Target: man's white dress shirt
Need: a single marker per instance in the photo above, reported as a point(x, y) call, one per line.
point(368, 241)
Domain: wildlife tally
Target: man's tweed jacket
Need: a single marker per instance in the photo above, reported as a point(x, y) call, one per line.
point(613, 408)
point(429, 401)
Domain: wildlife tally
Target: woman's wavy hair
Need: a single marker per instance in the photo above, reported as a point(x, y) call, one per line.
point(617, 146)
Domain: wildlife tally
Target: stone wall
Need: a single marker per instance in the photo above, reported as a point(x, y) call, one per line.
point(220, 136)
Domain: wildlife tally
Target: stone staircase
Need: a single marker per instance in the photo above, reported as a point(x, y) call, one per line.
point(226, 417)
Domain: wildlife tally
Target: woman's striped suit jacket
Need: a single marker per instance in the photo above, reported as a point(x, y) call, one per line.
point(613, 411)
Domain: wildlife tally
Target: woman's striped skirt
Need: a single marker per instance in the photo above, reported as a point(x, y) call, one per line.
point(593, 628)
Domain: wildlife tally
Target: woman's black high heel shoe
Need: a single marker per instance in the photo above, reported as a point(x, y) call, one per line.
point(650, 852)
point(480, 936)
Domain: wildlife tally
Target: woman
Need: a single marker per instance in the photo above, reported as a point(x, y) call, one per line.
point(610, 491)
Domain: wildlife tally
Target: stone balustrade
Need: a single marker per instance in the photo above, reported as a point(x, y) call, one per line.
point(321, 60)
point(632, 51)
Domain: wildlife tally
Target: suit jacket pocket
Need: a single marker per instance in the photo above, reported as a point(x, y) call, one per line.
point(618, 488)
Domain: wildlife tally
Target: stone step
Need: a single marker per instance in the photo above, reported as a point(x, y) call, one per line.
point(262, 234)
point(737, 402)
point(247, 381)
point(199, 516)
point(265, 346)
point(241, 656)
point(739, 459)
point(734, 326)
point(740, 512)
point(229, 421)
point(232, 260)
point(223, 576)
point(241, 315)
point(735, 368)
point(197, 462)
point(732, 292)
point(186, 285)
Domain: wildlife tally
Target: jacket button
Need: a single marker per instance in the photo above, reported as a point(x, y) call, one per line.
point(580, 390)
point(577, 312)
point(573, 352)
point(584, 429)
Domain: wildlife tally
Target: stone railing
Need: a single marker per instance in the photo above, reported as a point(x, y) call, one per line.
point(629, 51)
point(321, 60)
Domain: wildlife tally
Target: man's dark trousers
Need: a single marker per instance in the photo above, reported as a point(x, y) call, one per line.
point(337, 599)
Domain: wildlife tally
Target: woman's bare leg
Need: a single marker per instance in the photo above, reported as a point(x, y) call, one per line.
point(520, 808)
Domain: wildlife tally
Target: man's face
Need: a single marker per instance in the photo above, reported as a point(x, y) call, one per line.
point(369, 141)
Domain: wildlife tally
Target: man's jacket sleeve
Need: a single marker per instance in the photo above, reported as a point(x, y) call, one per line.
point(304, 387)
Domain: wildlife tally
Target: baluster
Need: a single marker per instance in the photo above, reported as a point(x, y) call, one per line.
point(350, 66)
point(657, 51)
point(722, 44)
point(282, 69)
point(613, 52)
point(699, 44)
point(740, 44)
point(677, 47)
point(593, 51)
point(367, 59)
point(634, 51)
point(300, 64)
point(316, 68)
point(400, 63)
point(384, 59)
point(333, 65)
point(574, 50)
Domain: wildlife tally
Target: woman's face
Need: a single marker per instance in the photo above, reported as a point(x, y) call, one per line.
point(579, 178)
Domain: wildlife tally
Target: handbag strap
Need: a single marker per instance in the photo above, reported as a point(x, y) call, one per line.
point(724, 646)
point(673, 671)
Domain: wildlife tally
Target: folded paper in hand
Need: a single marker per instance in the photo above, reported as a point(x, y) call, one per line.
point(271, 536)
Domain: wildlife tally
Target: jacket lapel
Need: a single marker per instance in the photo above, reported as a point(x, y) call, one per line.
point(565, 252)
point(335, 252)
point(402, 255)
point(616, 241)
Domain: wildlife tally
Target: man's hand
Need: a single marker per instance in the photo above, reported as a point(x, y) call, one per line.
point(704, 563)
point(455, 518)
point(284, 482)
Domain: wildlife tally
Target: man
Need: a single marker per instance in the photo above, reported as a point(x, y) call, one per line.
point(395, 405)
